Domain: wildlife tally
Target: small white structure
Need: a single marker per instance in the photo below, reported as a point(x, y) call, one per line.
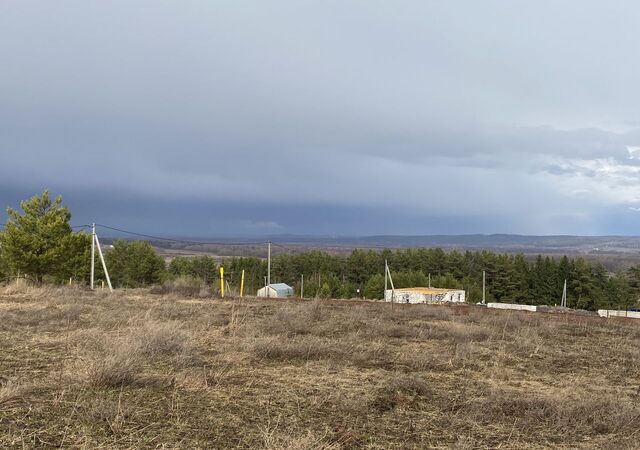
point(617, 313)
point(276, 290)
point(425, 295)
point(512, 306)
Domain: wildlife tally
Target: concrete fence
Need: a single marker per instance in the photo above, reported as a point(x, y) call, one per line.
point(618, 313)
point(512, 306)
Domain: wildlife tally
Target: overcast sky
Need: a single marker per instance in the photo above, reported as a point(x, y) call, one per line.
point(213, 118)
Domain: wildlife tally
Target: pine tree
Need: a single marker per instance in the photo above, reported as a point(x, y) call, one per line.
point(38, 242)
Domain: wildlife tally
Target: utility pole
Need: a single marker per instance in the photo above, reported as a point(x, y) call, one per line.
point(302, 286)
point(563, 302)
point(429, 279)
point(385, 279)
point(483, 285)
point(388, 272)
point(268, 267)
point(93, 253)
point(104, 265)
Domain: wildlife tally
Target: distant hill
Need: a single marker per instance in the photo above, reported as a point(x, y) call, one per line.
point(498, 242)
point(504, 242)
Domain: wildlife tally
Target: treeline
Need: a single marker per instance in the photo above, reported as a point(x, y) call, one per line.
point(509, 278)
point(39, 243)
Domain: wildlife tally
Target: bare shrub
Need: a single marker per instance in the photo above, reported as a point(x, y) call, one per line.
point(459, 333)
point(119, 366)
point(13, 393)
point(422, 361)
point(592, 414)
point(63, 316)
point(506, 405)
point(374, 354)
point(273, 439)
point(400, 390)
point(290, 322)
point(181, 286)
point(114, 413)
point(599, 414)
point(393, 330)
point(527, 341)
point(18, 287)
point(434, 312)
point(464, 443)
point(109, 361)
point(155, 338)
point(305, 349)
point(463, 354)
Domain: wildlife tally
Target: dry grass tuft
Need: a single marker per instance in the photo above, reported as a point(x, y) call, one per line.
point(120, 365)
point(154, 338)
point(400, 391)
point(297, 349)
point(13, 393)
point(596, 414)
point(276, 440)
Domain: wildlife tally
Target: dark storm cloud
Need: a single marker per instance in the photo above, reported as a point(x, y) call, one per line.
point(305, 117)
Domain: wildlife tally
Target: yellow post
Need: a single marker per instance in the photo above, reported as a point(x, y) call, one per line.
point(222, 281)
point(242, 283)
point(70, 280)
point(102, 284)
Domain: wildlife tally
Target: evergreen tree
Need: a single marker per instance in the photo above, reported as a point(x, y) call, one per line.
point(375, 287)
point(134, 264)
point(39, 242)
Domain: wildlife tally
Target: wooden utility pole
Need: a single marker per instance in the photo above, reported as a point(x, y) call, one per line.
point(93, 254)
point(268, 267)
point(104, 265)
point(388, 273)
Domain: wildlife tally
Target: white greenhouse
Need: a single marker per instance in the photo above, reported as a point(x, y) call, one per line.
point(276, 290)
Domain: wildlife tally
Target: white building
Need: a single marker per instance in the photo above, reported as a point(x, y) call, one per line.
point(276, 290)
point(425, 295)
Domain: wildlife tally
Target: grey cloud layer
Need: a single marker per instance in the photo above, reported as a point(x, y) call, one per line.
point(436, 112)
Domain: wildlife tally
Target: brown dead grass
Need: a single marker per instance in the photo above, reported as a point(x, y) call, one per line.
point(134, 369)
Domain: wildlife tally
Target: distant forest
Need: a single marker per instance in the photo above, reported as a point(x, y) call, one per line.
point(509, 278)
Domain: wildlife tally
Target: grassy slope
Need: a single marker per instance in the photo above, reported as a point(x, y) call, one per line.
point(130, 370)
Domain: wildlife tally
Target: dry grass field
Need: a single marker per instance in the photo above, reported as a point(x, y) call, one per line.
point(136, 369)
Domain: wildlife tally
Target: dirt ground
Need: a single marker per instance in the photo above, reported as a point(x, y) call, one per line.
point(133, 369)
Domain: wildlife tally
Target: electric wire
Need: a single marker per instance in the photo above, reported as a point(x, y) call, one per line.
point(192, 242)
point(181, 241)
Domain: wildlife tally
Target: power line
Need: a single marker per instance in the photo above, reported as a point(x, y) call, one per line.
point(182, 241)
